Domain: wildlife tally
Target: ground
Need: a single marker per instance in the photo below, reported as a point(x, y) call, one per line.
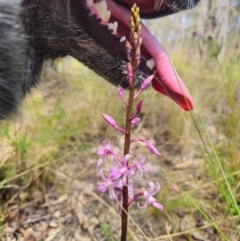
point(49, 171)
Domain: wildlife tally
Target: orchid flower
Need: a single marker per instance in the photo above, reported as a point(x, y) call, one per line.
point(122, 169)
point(149, 146)
point(131, 189)
point(140, 166)
point(104, 152)
point(149, 196)
point(108, 184)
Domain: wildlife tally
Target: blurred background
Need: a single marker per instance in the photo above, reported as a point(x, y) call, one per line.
point(210, 30)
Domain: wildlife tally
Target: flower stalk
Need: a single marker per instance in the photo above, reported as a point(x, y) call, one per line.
point(135, 36)
point(116, 180)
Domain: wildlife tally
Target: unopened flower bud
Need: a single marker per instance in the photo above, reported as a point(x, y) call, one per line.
point(139, 106)
point(138, 56)
point(130, 70)
point(137, 20)
point(137, 10)
point(135, 15)
point(128, 47)
point(140, 42)
point(139, 30)
point(135, 40)
point(130, 73)
point(132, 27)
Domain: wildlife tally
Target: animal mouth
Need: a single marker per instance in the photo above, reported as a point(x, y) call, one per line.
point(109, 24)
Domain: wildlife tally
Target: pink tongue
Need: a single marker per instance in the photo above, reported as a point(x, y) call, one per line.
point(168, 83)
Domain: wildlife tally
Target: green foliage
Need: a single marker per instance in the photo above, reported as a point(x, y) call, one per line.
point(62, 121)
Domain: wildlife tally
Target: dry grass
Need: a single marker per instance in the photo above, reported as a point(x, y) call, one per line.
point(61, 124)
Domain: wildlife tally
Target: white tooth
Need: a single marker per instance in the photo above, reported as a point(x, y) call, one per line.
point(101, 7)
point(123, 38)
point(157, 4)
point(124, 72)
point(90, 2)
point(113, 26)
point(106, 15)
point(151, 63)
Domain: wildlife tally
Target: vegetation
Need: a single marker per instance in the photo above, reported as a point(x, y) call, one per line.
point(60, 127)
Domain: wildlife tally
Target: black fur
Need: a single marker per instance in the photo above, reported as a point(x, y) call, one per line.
point(12, 57)
point(32, 31)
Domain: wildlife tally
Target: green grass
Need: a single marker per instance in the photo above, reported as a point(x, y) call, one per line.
point(61, 122)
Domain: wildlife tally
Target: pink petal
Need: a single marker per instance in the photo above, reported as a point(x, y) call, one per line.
point(114, 174)
point(113, 123)
point(146, 82)
point(99, 152)
point(103, 143)
point(117, 161)
point(100, 162)
point(152, 187)
point(157, 187)
point(125, 159)
point(135, 120)
point(101, 174)
point(144, 85)
point(111, 193)
point(158, 205)
point(130, 70)
point(139, 106)
point(142, 207)
point(116, 127)
point(136, 139)
point(108, 146)
point(146, 194)
point(102, 188)
point(121, 94)
point(152, 149)
point(109, 119)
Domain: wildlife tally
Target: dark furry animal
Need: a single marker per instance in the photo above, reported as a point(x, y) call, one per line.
point(32, 31)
